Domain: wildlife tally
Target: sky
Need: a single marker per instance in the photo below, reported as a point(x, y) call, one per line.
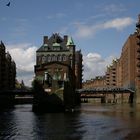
point(99, 29)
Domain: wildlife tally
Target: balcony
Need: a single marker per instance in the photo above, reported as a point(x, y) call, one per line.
point(107, 77)
point(114, 72)
point(138, 42)
point(138, 74)
point(138, 56)
point(138, 64)
point(138, 35)
point(138, 50)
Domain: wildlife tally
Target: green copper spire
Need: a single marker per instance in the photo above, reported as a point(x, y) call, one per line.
point(70, 41)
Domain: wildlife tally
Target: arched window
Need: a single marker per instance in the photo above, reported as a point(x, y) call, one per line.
point(38, 59)
point(64, 58)
point(49, 58)
point(43, 59)
point(59, 58)
point(54, 58)
point(70, 57)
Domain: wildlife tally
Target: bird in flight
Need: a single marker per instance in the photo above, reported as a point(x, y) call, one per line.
point(8, 4)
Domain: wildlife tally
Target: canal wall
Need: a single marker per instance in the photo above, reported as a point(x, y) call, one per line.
point(23, 100)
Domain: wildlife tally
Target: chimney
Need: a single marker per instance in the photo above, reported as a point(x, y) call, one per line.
point(45, 39)
point(65, 38)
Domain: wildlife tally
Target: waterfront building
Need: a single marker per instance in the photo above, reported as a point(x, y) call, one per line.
point(57, 60)
point(129, 62)
point(78, 69)
point(111, 74)
point(7, 69)
point(125, 71)
point(137, 80)
point(98, 81)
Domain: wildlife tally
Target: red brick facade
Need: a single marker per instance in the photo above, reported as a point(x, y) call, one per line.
point(125, 71)
point(58, 58)
point(7, 69)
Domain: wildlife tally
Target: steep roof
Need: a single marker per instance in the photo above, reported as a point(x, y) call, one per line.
point(56, 41)
point(70, 41)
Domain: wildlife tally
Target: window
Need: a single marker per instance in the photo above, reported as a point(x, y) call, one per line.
point(64, 58)
point(49, 58)
point(56, 48)
point(43, 59)
point(38, 58)
point(70, 57)
point(54, 58)
point(59, 58)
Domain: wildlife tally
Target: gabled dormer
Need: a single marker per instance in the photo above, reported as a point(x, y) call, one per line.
point(70, 44)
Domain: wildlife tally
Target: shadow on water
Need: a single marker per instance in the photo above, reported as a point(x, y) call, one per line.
point(60, 126)
point(91, 122)
point(21, 123)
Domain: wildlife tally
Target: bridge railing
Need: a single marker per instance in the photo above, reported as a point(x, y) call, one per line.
point(105, 90)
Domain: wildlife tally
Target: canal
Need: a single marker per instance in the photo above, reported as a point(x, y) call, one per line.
point(89, 122)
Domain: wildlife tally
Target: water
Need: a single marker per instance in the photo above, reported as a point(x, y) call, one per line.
point(90, 122)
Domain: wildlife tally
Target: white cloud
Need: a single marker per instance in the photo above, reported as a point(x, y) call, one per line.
point(86, 31)
point(95, 65)
point(24, 57)
point(25, 54)
point(118, 23)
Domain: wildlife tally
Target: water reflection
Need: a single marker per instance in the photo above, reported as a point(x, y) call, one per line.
point(22, 124)
point(58, 126)
point(92, 122)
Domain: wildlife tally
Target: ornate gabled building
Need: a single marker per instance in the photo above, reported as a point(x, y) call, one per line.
point(7, 69)
point(58, 61)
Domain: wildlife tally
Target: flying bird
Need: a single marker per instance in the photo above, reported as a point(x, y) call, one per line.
point(8, 4)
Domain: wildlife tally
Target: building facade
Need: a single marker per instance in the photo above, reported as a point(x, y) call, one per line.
point(111, 74)
point(96, 82)
point(7, 69)
point(129, 62)
point(125, 71)
point(78, 69)
point(137, 81)
point(57, 60)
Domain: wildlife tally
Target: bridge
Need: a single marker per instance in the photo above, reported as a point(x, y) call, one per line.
point(105, 94)
point(16, 92)
point(108, 94)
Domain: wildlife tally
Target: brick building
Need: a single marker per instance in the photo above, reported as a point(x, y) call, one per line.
point(137, 80)
point(78, 69)
point(58, 60)
point(129, 62)
point(7, 69)
point(111, 74)
point(98, 81)
point(125, 71)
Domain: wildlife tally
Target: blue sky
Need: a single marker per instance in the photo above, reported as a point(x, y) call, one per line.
point(98, 27)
